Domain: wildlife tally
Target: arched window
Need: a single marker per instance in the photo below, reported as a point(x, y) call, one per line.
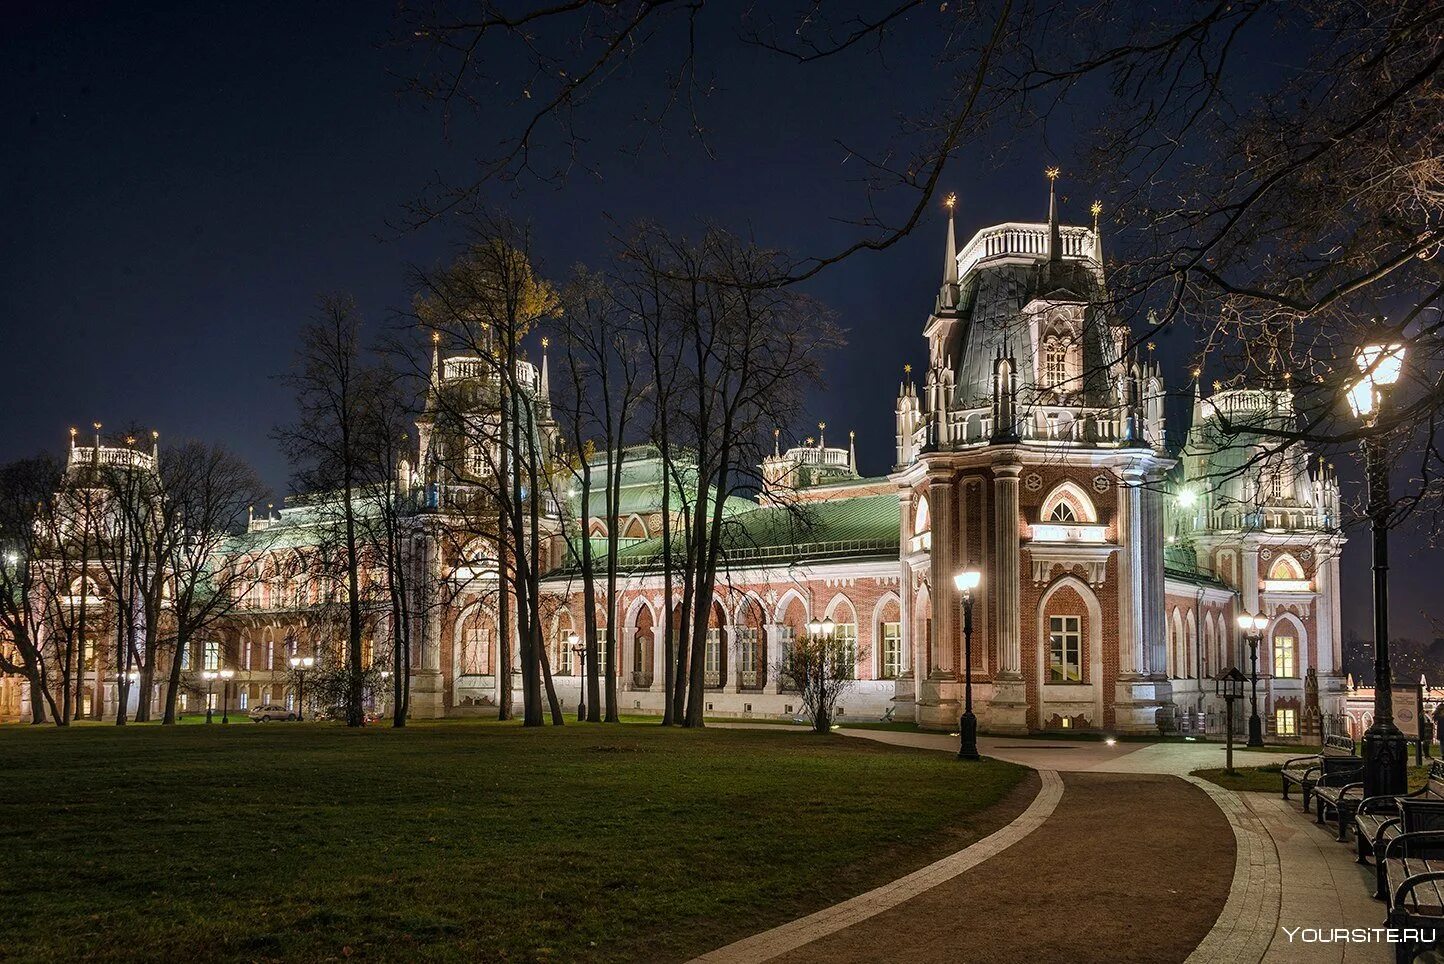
point(922, 522)
point(1286, 567)
point(1285, 659)
point(1068, 497)
point(212, 655)
point(1055, 362)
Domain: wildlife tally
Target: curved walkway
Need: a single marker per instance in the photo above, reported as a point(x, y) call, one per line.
point(830, 920)
point(1127, 842)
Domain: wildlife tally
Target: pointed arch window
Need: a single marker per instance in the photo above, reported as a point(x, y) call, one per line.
point(1055, 362)
point(1063, 512)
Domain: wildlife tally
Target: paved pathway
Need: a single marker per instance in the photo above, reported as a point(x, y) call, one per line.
point(1056, 864)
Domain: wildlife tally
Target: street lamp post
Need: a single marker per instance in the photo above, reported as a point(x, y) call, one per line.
point(1386, 749)
point(210, 678)
point(579, 656)
point(225, 675)
point(299, 664)
point(1229, 685)
point(967, 581)
point(1253, 627)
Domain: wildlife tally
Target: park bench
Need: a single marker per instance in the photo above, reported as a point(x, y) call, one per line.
point(1305, 772)
point(1377, 818)
point(1420, 825)
point(1412, 875)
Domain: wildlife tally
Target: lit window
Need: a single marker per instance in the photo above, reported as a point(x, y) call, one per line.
point(1055, 363)
point(1286, 722)
point(1284, 656)
point(212, 655)
point(246, 654)
point(891, 650)
point(270, 654)
point(245, 697)
point(1065, 649)
point(846, 636)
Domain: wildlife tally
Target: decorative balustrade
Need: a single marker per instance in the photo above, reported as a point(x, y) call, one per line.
point(460, 367)
point(1085, 533)
point(104, 457)
point(1025, 241)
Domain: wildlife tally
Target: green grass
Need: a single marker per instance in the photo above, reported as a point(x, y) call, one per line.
point(461, 841)
point(1266, 778)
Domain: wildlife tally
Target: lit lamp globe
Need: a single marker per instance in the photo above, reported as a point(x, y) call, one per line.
point(967, 580)
point(1381, 366)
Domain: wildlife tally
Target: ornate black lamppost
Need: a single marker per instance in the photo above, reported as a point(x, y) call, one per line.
point(210, 677)
point(1253, 627)
point(1386, 749)
point(225, 675)
point(579, 652)
point(299, 665)
point(967, 581)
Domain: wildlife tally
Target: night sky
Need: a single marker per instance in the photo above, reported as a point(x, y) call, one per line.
point(181, 181)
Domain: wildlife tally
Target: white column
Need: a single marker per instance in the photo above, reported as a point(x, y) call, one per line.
point(1155, 632)
point(659, 655)
point(940, 509)
point(773, 635)
point(1132, 659)
point(729, 662)
point(1005, 569)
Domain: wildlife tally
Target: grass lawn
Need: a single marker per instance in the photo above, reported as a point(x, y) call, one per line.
point(457, 841)
point(1266, 778)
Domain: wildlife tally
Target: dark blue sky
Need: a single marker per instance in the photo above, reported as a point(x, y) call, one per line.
point(179, 182)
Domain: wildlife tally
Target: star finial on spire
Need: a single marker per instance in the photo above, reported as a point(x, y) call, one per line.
point(436, 337)
point(950, 202)
point(1052, 173)
point(1096, 208)
point(546, 342)
point(908, 369)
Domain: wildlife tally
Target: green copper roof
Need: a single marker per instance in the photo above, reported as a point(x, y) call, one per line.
point(838, 530)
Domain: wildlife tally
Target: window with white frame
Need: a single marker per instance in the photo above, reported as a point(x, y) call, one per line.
point(185, 657)
point(245, 697)
point(747, 653)
point(1284, 656)
point(713, 664)
point(246, 654)
point(1065, 649)
point(1286, 722)
point(604, 646)
point(891, 650)
point(846, 637)
point(212, 655)
point(270, 654)
point(1063, 512)
point(1055, 363)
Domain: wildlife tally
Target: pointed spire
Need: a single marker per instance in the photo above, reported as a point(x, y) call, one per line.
point(155, 445)
point(950, 257)
point(1097, 209)
point(72, 436)
point(777, 443)
point(545, 390)
point(435, 359)
point(1055, 240)
point(97, 441)
point(852, 450)
point(821, 428)
point(948, 290)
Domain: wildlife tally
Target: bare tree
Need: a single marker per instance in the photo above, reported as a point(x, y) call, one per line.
point(28, 490)
point(207, 492)
point(1270, 208)
point(326, 450)
point(822, 668)
point(491, 446)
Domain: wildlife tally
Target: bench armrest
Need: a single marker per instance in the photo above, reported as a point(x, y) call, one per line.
point(1404, 839)
point(1383, 828)
point(1312, 757)
point(1410, 883)
point(1350, 790)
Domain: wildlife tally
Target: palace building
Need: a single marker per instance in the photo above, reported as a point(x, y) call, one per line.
point(1033, 449)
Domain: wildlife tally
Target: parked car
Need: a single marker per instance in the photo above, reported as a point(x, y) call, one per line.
point(270, 711)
